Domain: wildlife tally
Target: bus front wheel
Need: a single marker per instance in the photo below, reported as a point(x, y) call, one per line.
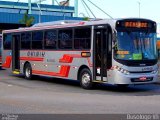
point(28, 71)
point(85, 78)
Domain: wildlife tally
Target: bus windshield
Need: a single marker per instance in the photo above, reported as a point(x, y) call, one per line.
point(136, 45)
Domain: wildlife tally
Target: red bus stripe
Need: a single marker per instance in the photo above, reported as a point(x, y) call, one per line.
point(64, 72)
point(68, 58)
point(31, 58)
point(7, 63)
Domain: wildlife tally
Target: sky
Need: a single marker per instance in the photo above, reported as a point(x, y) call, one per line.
point(117, 8)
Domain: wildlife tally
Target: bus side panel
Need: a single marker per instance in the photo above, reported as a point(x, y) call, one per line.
point(61, 64)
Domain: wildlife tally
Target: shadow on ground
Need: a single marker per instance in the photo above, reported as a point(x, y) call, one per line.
point(137, 90)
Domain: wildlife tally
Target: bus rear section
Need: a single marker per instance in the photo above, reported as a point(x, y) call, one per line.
point(56, 52)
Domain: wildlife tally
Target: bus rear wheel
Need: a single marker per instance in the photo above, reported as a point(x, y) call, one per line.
point(28, 71)
point(85, 78)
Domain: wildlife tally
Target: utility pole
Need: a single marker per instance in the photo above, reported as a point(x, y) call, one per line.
point(76, 7)
point(53, 2)
point(38, 2)
point(139, 7)
point(29, 7)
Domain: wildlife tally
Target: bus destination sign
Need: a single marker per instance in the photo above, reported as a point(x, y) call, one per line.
point(136, 24)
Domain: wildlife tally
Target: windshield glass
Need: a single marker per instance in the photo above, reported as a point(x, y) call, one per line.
point(135, 46)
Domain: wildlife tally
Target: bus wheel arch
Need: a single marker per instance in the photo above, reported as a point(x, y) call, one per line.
point(85, 77)
point(27, 70)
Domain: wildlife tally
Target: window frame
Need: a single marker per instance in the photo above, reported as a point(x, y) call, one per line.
point(10, 47)
point(56, 39)
point(82, 27)
point(25, 36)
point(68, 28)
point(42, 40)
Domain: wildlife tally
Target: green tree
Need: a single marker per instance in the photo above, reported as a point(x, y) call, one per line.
point(27, 20)
point(86, 18)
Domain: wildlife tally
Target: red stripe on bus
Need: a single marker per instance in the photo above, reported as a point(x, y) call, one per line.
point(64, 72)
point(68, 58)
point(31, 58)
point(7, 63)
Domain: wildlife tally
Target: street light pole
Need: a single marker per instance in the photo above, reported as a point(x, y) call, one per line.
point(139, 9)
point(29, 7)
point(38, 2)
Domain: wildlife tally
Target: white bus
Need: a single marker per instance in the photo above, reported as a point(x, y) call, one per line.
point(119, 52)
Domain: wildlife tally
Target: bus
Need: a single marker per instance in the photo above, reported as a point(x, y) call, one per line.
point(121, 52)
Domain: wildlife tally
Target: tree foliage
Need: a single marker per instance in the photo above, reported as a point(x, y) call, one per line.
point(86, 18)
point(27, 20)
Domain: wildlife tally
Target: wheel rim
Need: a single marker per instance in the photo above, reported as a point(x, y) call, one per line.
point(28, 72)
point(86, 79)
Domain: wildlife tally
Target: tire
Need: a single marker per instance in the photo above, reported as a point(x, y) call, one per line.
point(28, 71)
point(85, 78)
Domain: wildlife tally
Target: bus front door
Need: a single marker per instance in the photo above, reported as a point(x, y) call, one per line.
point(100, 54)
point(15, 53)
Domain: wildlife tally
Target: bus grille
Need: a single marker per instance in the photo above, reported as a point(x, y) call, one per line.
point(139, 80)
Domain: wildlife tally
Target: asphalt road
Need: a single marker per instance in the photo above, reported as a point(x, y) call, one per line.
point(56, 96)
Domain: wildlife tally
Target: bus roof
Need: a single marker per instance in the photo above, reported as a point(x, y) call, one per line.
point(62, 24)
point(68, 23)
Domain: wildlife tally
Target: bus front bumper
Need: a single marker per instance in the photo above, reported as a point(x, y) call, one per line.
point(121, 78)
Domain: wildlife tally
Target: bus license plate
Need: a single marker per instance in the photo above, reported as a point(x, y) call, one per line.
point(142, 78)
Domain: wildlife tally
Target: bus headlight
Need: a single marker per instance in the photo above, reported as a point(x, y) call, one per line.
point(121, 70)
point(126, 72)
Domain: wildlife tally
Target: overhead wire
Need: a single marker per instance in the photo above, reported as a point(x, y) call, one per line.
point(89, 8)
point(100, 9)
point(85, 9)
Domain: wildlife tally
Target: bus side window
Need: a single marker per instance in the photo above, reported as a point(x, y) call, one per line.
point(26, 40)
point(50, 39)
point(37, 40)
point(65, 39)
point(7, 41)
point(82, 38)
